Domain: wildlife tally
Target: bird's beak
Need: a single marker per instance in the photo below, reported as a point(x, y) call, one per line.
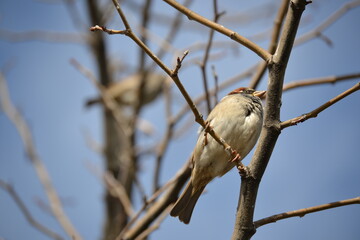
point(259, 94)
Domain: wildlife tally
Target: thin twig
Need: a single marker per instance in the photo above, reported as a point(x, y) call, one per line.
point(107, 30)
point(314, 113)
point(204, 62)
point(25, 211)
point(304, 211)
point(216, 82)
point(265, 55)
point(121, 14)
point(17, 119)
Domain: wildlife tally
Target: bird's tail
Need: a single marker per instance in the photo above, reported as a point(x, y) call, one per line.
point(184, 206)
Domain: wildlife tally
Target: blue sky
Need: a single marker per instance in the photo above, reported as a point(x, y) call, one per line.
point(313, 163)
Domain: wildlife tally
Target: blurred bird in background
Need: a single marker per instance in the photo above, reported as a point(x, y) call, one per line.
point(126, 91)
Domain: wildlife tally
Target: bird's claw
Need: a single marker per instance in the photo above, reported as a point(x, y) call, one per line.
point(237, 156)
point(243, 170)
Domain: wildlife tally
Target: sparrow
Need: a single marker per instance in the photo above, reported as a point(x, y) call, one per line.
point(238, 119)
point(125, 92)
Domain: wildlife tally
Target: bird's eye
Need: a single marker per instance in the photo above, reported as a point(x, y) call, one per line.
point(249, 91)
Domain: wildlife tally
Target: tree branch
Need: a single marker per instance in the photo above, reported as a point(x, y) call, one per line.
point(304, 211)
point(318, 110)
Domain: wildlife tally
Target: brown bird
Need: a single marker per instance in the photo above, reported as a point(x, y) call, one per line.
point(238, 119)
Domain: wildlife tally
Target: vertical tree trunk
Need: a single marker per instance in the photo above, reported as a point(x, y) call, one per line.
point(244, 227)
